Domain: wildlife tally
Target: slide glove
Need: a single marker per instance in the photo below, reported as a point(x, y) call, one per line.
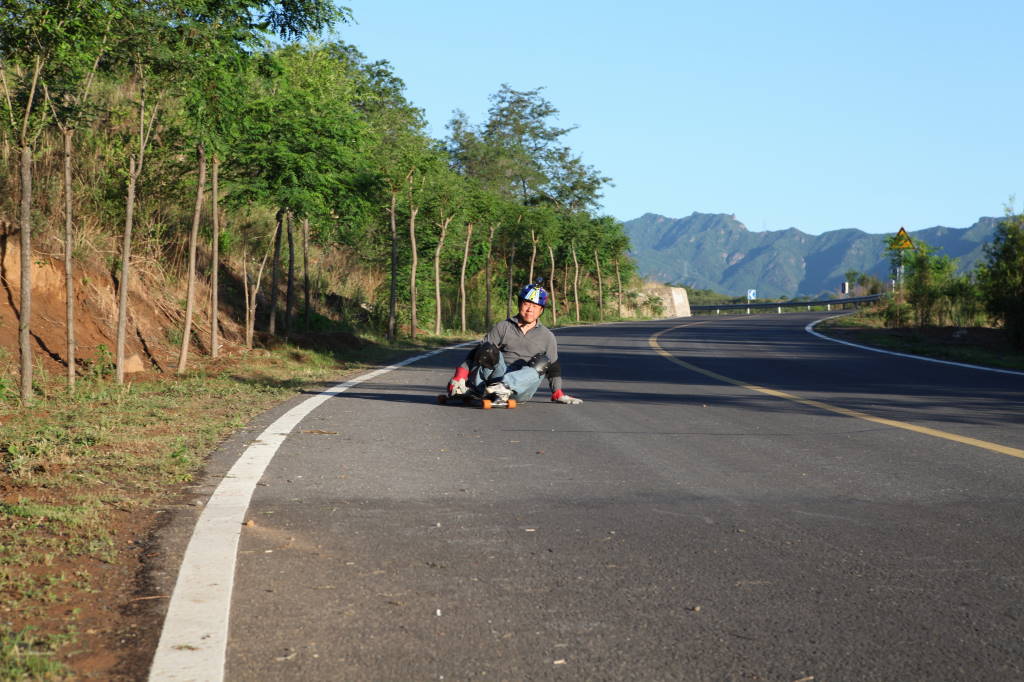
point(561, 396)
point(457, 385)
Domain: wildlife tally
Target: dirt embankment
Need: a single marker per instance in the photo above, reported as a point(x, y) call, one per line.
point(155, 313)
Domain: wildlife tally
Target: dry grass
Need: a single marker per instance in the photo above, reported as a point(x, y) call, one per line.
point(985, 346)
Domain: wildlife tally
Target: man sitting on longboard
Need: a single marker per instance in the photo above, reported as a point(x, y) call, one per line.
point(512, 358)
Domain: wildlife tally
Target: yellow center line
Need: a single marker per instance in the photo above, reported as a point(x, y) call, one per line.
point(993, 447)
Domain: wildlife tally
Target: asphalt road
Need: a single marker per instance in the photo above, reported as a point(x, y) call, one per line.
point(673, 527)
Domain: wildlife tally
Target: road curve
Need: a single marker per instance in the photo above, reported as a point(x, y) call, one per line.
point(677, 525)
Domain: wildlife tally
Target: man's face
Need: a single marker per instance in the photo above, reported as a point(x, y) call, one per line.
point(529, 311)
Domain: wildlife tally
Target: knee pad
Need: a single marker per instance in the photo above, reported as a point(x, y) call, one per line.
point(555, 369)
point(485, 355)
point(539, 362)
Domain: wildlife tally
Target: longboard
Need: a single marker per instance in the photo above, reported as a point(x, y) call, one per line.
point(470, 399)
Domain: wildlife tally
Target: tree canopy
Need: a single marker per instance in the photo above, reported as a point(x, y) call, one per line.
point(311, 128)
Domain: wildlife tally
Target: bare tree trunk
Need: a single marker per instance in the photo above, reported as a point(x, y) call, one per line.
point(566, 279)
point(68, 132)
point(462, 276)
point(250, 297)
point(551, 285)
point(576, 281)
point(445, 222)
point(487, 276)
point(508, 293)
point(305, 274)
point(289, 301)
point(275, 268)
point(413, 210)
point(126, 255)
point(618, 282)
point(25, 312)
point(600, 287)
point(215, 265)
point(134, 170)
point(193, 244)
point(393, 293)
point(245, 295)
point(533, 254)
point(69, 247)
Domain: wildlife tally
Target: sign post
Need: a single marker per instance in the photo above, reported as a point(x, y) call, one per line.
point(901, 244)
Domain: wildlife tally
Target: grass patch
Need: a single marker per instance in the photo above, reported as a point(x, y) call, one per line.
point(972, 345)
point(27, 655)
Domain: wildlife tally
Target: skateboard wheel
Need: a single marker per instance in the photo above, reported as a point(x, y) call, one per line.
point(486, 404)
point(442, 398)
point(512, 403)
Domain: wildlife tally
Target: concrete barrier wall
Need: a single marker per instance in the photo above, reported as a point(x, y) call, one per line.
point(674, 299)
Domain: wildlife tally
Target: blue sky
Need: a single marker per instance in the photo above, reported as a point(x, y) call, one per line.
point(814, 115)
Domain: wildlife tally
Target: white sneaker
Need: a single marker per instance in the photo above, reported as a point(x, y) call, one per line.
point(500, 391)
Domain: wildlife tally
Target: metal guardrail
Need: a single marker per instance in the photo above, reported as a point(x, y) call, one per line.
point(785, 304)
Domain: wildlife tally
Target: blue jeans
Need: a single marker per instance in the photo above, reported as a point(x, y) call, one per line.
point(524, 380)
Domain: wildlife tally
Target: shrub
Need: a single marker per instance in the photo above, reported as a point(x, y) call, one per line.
point(963, 301)
point(896, 314)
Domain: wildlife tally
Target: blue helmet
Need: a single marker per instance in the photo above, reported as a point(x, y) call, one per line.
point(534, 293)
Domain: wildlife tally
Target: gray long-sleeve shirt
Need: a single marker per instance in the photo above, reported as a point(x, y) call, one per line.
point(515, 345)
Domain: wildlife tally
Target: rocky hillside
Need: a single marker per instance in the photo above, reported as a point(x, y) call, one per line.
point(716, 251)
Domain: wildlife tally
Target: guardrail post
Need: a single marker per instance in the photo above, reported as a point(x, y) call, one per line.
point(779, 309)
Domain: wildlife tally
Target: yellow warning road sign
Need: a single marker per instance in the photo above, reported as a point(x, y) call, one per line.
point(903, 240)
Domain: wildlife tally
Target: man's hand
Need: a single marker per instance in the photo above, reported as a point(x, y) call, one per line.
point(457, 386)
point(560, 396)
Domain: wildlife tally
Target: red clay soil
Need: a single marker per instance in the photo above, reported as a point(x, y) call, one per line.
point(95, 312)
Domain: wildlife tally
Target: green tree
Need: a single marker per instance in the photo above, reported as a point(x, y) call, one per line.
point(144, 42)
point(520, 125)
point(212, 100)
point(300, 145)
point(46, 47)
point(518, 152)
point(928, 276)
point(446, 199)
point(1001, 277)
point(573, 184)
point(68, 86)
point(606, 240)
point(396, 147)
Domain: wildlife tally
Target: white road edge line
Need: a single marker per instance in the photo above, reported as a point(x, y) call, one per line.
point(810, 330)
point(193, 642)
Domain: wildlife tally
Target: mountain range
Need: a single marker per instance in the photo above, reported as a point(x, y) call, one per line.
point(718, 252)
